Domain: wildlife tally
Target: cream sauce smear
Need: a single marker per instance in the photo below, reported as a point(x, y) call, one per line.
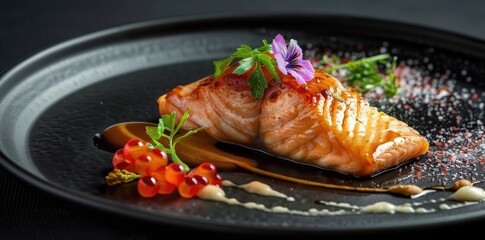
point(258, 188)
point(215, 193)
point(463, 196)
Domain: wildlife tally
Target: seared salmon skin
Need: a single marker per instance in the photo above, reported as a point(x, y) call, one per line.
point(321, 123)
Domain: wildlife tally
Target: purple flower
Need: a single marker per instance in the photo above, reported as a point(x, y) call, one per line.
point(290, 60)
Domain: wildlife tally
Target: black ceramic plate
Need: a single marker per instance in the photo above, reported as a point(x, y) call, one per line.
point(53, 104)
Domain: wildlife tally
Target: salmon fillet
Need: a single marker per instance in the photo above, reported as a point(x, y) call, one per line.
point(224, 105)
point(320, 123)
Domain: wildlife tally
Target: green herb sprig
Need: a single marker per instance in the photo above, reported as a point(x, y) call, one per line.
point(250, 58)
point(364, 75)
point(167, 124)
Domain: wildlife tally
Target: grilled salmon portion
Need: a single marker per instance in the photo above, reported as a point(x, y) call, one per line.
point(224, 105)
point(329, 126)
point(320, 123)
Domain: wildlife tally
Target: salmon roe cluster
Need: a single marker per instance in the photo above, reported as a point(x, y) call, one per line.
point(158, 176)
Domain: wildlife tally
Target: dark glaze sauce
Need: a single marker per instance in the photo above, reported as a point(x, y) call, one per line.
point(229, 157)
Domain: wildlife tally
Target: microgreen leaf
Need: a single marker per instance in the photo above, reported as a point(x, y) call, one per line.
point(391, 87)
point(167, 123)
point(257, 82)
point(244, 66)
point(249, 57)
point(363, 74)
point(244, 51)
point(221, 65)
point(156, 132)
point(265, 48)
point(153, 132)
point(266, 60)
point(277, 54)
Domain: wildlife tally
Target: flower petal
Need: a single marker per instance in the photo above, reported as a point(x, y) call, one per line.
point(279, 46)
point(294, 52)
point(303, 71)
point(298, 77)
point(289, 60)
point(281, 64)
point(307, 70)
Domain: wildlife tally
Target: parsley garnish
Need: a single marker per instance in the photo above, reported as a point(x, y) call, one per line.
point(363, 74)
point(250, 58)
point(167, 124)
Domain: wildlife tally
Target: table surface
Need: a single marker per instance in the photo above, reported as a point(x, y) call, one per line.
point(27, 27)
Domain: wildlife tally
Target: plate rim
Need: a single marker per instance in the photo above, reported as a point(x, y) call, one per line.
point(83, 199)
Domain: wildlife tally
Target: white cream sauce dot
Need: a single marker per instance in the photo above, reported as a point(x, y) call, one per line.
point(468, 194)
point(280, 209)
point(254, 205)
point(386, 207)
point(258, 188)
point(379, 207)
point(452, 206)
point(214, 193)
point(404, 209)
point(341, 205)
point(444, 207)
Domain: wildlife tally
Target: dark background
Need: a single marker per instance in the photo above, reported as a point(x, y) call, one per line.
point(27, 27)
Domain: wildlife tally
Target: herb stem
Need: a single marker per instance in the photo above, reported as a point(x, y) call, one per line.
point(363, 74)
point(363, 60)
point(167, 124)
point(174, 156)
